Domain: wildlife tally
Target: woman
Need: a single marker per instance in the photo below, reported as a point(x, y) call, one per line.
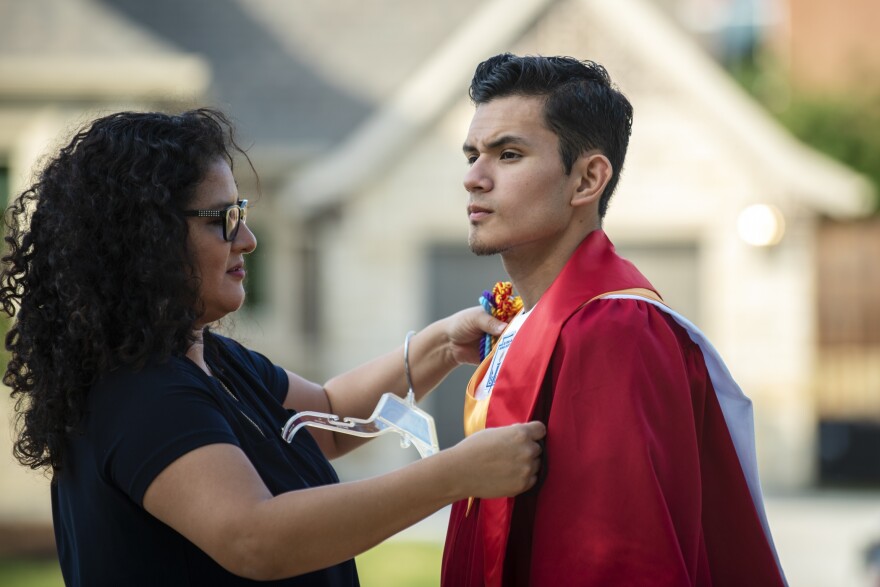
point(163, 437)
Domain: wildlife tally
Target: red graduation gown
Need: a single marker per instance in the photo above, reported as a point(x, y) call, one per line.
point(641, 484)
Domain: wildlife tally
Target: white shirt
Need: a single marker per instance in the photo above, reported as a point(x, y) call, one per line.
point(484, 389)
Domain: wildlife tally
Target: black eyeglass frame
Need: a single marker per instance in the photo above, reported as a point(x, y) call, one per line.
point(228, 234)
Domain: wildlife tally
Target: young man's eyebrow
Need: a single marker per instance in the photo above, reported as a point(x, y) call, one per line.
point(498, 142)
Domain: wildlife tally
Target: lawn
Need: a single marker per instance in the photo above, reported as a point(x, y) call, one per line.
point(30, 573)
point(393, 564)
point(401, 564)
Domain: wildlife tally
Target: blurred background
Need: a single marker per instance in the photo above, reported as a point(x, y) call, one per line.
point(749, 198)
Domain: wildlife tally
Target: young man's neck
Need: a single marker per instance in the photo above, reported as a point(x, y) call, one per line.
point(532, 272)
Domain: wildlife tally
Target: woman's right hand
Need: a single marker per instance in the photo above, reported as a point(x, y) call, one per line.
point(499, 462)
point(216, 499)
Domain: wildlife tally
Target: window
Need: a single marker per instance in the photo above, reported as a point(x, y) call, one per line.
point(673, 268)
point(456, 279)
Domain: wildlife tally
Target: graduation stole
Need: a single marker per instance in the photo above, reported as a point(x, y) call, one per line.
point(593, 271)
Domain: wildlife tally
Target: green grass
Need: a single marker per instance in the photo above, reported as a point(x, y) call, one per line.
point(399, 564)
point(30, 573)
point(392, 564)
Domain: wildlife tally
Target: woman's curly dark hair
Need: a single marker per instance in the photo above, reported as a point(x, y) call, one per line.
point(97, 273)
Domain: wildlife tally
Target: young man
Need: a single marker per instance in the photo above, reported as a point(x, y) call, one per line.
point(650, 475)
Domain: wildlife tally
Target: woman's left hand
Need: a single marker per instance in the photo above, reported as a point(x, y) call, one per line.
point(434, 352)
point(465, 331)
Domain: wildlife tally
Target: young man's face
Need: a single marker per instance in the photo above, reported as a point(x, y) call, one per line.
point(519, 195)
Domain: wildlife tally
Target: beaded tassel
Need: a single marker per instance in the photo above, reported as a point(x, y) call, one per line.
point(502, 304)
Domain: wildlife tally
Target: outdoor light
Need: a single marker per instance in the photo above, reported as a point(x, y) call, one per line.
point(761, 225)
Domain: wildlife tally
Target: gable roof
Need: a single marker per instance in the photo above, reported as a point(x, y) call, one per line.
point(300, 74)
point(77, 50)
point(830, 187)
point(440, 81)
point(296, 76)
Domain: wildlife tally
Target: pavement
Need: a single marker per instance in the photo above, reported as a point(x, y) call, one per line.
point(822, 537)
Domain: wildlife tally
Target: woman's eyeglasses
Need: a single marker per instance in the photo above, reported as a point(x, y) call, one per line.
point(234, 215)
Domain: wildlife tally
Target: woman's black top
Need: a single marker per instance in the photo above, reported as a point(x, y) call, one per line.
point(139, 422)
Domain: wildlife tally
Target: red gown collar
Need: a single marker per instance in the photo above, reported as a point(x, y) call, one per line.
point(593, 269)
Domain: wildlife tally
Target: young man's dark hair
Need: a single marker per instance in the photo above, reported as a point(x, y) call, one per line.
point(583, 107)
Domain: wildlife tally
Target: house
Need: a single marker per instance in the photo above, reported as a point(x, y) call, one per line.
point(356, 113)
point(701, 154)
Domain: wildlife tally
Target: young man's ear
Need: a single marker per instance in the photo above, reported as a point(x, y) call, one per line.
point(593, 172)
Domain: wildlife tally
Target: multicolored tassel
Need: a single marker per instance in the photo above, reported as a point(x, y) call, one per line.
point(502, 304)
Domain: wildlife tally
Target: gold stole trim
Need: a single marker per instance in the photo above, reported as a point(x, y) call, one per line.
point(475, 410)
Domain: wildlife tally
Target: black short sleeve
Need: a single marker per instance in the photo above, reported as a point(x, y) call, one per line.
point(145, 421)
point(140, 421)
